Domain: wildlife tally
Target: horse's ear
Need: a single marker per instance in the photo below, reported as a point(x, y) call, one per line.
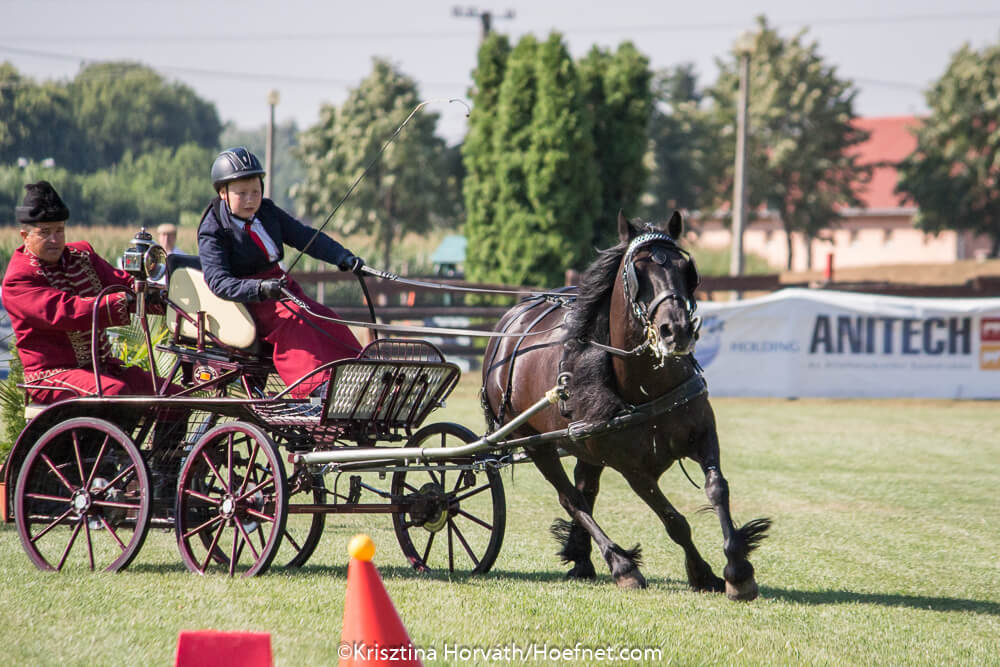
point(675, 226)
point(624, 228)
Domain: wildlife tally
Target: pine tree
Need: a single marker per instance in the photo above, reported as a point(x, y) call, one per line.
point(616, 90)
point(480, 187)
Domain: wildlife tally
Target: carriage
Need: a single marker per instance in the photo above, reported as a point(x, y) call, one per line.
point(226, 461)
point(245, 474)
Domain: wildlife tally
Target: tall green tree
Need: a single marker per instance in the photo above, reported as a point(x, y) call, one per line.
point(480, 187)
point(561, 177)
point(685, 156)
point(954, 174)
point(36, 120)
point(402, 192)
point(288, 169)
point(616, 88)
point(125, 107)
point(512, 139)
point(800, 161)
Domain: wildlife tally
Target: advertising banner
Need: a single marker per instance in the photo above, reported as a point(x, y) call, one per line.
point(801, 342)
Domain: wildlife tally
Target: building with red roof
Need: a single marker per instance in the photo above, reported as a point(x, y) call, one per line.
point(880, 232)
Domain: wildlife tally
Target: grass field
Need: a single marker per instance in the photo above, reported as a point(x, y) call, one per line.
point(885, 550)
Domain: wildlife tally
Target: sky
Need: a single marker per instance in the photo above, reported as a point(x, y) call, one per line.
point(233, 52)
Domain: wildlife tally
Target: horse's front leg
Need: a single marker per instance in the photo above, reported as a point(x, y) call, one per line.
point(737, 542)
point(571, 534)
point(699, 572)
point(624, 564)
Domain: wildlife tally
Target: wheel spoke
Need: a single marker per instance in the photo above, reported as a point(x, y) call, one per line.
point(475, 519)
point(215, 544)
point(115, 503)
point(265, 483)
point(69, 545)
point(119, 477)
point(58, 474)
point(236, 541)
point(451, 550)
point(229, 463)
point(111, 531)
point(461, 538)
point(97, 461)
point(194, 531)
point(191, 493)
point(288, 536)
point(427, 549)
point(469, 494)
point(45, 496)
point(218, 475)
point(247, 540)
point(260, 515)
point(90, 545)
point(251, 468)
point(76, 453)
point(52, 525)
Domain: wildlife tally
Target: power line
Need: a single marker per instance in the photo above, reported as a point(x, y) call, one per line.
point(413, 35)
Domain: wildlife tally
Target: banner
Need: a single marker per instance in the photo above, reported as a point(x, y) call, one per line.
point(801, 342)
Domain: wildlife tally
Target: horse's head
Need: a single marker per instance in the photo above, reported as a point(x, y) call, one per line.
point(659, 279)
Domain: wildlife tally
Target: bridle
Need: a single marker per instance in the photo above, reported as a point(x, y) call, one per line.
point(644, 312)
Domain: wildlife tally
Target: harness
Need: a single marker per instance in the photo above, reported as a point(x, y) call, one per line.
point(688, 390)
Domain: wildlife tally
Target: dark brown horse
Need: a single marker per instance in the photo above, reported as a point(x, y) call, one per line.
point(636, 401)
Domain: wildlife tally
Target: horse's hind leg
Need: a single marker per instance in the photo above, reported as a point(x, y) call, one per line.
point(624, 565)
point(699, 572)
point(573, 536)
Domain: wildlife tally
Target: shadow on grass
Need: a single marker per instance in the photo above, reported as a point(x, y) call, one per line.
point(882, 599)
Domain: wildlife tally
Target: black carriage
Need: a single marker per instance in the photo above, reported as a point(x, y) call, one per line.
point(235, 465)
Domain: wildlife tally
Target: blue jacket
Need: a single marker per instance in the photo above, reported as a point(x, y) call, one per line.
point(228, 255)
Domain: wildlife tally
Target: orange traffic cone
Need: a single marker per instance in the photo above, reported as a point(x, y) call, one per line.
point(373, 633)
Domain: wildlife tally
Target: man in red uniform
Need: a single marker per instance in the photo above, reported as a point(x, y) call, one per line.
point(50, 291)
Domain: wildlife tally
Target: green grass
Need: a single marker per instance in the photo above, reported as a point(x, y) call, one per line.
point(884, 551)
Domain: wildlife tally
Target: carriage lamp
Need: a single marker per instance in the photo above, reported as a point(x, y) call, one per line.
point(144, 259)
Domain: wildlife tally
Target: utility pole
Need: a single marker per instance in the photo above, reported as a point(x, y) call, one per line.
point(272, 101)
point(744, 46)
point(485, 18)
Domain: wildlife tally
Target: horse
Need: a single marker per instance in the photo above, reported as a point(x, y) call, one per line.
point(635, 400)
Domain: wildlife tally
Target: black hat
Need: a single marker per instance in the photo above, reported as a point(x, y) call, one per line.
point(41, 204)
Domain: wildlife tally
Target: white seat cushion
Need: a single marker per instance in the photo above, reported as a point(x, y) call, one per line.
point(229, 321)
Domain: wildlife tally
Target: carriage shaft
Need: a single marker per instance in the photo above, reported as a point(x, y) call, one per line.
point(485, 443)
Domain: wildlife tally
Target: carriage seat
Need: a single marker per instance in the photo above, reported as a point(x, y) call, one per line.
point(229, 321)
point(31, 410)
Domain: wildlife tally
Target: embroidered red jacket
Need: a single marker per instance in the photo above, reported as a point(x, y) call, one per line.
point(51, 308)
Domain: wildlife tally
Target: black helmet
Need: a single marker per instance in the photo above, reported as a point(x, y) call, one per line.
point(234, 164)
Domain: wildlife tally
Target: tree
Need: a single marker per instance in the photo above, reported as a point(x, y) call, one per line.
point(124, 107)
point(616, 90)
point(953, 176)
point(561, 178)
point(36, 121)
point(480, 187)
point(684, 152)
point(800, 162)
point(288, 169)
point(402, 192)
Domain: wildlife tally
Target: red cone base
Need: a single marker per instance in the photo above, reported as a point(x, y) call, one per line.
point(211, 648)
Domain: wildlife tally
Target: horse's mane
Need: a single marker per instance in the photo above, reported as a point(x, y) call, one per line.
point(588, 316)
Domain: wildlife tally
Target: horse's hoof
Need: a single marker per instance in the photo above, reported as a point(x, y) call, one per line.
point(583, 571)
point(744, 591)
point(631, 579)
point(710, 584)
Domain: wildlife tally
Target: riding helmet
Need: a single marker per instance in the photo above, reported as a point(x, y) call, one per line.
point(233, 164)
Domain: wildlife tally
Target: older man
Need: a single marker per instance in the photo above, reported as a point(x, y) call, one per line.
point(50, 291)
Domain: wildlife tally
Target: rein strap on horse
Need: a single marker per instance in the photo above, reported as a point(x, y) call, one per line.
point(397, 328)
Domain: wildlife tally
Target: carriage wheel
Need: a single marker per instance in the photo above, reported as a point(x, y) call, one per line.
point(456, 518)
point(302, 530)
point(232, 502)
point(83, 498)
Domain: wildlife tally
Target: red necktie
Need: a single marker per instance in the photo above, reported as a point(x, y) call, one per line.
point(256, 239)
